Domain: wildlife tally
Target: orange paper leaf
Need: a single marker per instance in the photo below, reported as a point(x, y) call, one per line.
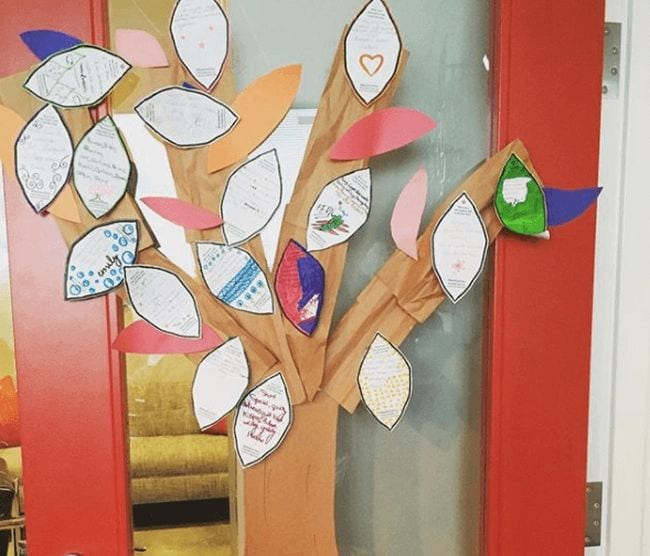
point(65, 206)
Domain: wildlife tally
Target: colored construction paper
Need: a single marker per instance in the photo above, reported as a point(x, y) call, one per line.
point(199, 30)
point(251, 197)
point(188, 85)
point(11, 125)
point(9, 423)
point(101, 168)
point(186, 117)
point(234, 277)
point(340, 210)
point(45, 42)
point(65, 206)
point(300, 287)
point(141, 337)
point(140, 49)
point(407, 214)
point(219, 383)
point(43, 157)
point(80, 76)
point(163, 300)
point(262, 420)
point(459, 247)
point(372, 51)
point(519, 200)
point(385, 382)
point(565, 205)
point(261, 106)
point(97, 259)
point(182, 213)
point(380, 132)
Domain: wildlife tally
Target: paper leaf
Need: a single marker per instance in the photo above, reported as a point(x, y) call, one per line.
point(519, 200)
point(261, 106)
point(182, 213)
point(372, 51)
point(140, 49)
point(565, 205)
point(187, 85)
point(385, 382)
point(186, 117)
point(252, 195)
point(258, 434)
point(234, 277)
point(220, 381)
point(300, 287)
point(340, 210)
point(96, 260)
point(101, 168)
point(45, 42)
point(11, 125)
point(199, 30)
point(459, 247)
point(80, 76)
point(43, 155)
point(141, 337)
point(380, 132)
point(65, 206)
point(163, 300)
point(9, 417)
point(407, 214)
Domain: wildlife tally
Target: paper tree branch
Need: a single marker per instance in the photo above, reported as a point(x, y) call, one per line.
point(405, 292)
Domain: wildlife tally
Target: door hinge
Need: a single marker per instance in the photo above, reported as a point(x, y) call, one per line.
point(594, 492)
point(612, 59)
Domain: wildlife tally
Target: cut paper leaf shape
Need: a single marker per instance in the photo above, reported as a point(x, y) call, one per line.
point(141, 337)
point(97, 259)
point(407, 214)
point(182, 213)
point(340, 210)
point(65, 206)
point(252, 195)
point(459, 247)
point(140, 49)
point(261, 106)
point(43, 156)
point(372, 51)
point(80, 76)
point(385, 382)
point(381, 132)
point(45, 42)
point(163, 300)
point(11, 125)
point(220, 382)
point(300, 287)
point(565, 205)
point(235, 278)
point(101, 168)
point(199, 30)
point(262, 420)
point(186, 117)
point(519, 200)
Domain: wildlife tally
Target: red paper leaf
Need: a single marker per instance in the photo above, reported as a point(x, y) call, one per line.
point(407, 214)
point(184, 214)
point(140, 49)
point(141, 337)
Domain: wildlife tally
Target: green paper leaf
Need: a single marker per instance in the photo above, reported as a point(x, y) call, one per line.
point(519, 200)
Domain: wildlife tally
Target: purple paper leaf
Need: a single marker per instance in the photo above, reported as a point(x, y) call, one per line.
point(45, 42)
point(188, 85)
point(564, 205)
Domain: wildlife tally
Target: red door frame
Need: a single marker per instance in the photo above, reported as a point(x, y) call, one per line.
point(547, 60)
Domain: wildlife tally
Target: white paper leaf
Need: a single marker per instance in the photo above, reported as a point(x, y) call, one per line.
point(96, 260)
point(258, 434)
point(199, 30)
point(234, 277)
point(220, 382)
point(372, 51)
point(340, 210)
point(43, 156)
point(459, 247)
point(163, 300)
point(253, 194)
point(186, 117)
point(101, 168)
point(80, 76)
point(385, 382)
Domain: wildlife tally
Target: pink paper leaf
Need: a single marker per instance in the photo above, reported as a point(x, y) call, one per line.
point(407, 214)
point(141, 337)
point(140, 49)
point(382, 131)
point(184, 214)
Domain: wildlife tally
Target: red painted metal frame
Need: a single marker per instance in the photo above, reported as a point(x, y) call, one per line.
point(547, 91)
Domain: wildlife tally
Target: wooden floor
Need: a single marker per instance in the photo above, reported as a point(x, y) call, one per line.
point(193, 540)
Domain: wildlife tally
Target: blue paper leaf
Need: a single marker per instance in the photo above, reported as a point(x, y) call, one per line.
point(188, 85)
point(565, 205)
point(45, 42)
